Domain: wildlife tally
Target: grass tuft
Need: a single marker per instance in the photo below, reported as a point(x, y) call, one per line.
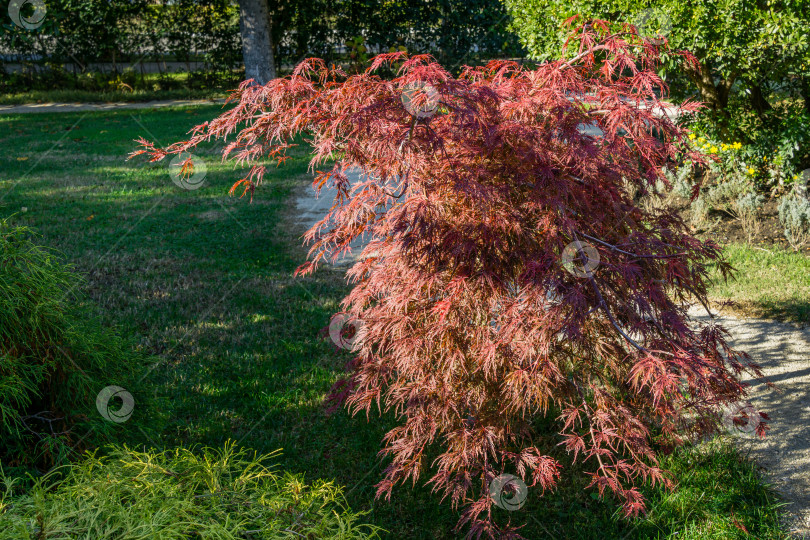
point(178, 494)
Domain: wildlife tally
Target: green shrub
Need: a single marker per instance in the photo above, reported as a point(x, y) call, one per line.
point(794, 215)
point(680, 180)
point(222, 494)
point(774, 153)
point(54, 360)
point(741, 48)
point(751, 64)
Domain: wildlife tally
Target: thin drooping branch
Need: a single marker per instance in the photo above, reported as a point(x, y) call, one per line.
point(635, 255)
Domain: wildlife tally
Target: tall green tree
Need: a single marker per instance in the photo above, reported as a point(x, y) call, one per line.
point(751, 47)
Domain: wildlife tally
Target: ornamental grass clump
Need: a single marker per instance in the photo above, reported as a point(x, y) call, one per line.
point(518, 309)
point(54, 358)
point(226, 493)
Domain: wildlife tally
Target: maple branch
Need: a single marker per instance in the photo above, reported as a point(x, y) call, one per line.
point(616, 248)
point(694, 292)
point(605, 307)
point(408, 137)
point(612, 320)
point(590, 425)
point(592, 50)
point(700, 299)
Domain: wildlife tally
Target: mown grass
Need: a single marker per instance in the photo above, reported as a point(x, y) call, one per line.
point(771, 283)
point(88, 96)
point(203, 283)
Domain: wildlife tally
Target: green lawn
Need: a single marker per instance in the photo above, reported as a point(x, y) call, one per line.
point(86, 96)
point(773, 284)
point(203, 283)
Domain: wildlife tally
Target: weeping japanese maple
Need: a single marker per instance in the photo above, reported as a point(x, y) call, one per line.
point(507, 273)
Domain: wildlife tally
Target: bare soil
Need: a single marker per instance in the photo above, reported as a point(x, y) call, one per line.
point(725, 228)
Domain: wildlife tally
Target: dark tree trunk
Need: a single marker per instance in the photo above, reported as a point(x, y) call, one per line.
point(758, 101)
point(804, 89)
point(257, 45)
point(713, 94)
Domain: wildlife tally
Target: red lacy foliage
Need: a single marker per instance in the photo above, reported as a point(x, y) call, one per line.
point(474, 326)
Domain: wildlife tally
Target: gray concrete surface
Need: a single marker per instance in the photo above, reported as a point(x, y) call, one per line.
point(783, 352)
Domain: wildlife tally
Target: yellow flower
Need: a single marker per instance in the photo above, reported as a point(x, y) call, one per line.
point(737, 145)
point(751, 170)
point(701, 140)
point(713, 150)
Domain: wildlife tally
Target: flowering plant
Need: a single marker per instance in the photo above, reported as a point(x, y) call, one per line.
point(773, 159)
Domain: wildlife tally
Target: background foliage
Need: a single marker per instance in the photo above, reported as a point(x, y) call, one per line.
point(753, 70)
point(81, 33)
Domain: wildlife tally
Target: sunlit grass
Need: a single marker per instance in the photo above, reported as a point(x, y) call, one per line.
point(88, 96)
point(773, 284)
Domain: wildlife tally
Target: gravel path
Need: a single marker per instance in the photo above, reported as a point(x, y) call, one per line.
point(783, 352)
point(310, 209)
point(112, 106)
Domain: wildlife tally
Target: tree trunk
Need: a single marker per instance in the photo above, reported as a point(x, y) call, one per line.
point(257, 47)
point(714, 95)
point(804, 89)
point(758, 101)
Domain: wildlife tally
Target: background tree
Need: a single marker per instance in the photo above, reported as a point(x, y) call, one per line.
point(75, 31)
point(192, 31)
point(453, 31)
point(257, 41)
point(758, 50)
